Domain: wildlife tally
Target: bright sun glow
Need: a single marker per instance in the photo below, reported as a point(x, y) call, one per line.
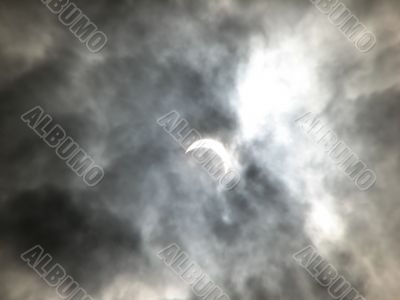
point(274, 82)
point(324, 223)
point(278, 82)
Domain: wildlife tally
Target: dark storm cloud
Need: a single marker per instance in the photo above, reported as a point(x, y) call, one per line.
point(163, 56)
point(129, 85)
point(377, 119)
point(79, 232)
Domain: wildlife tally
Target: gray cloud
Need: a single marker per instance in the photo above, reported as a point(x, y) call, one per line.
point(189, 57)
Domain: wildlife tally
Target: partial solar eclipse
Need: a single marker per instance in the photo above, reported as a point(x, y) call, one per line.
point(216, 147)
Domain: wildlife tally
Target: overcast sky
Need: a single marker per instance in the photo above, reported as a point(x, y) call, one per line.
point(240, 72)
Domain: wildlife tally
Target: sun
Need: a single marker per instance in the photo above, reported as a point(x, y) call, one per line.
point(216, 147)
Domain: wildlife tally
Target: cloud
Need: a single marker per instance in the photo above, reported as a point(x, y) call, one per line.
point(225, 66)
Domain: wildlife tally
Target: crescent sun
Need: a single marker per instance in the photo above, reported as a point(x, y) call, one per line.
point(216, 147)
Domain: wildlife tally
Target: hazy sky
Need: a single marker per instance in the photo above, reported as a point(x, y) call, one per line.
point(240, 72)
